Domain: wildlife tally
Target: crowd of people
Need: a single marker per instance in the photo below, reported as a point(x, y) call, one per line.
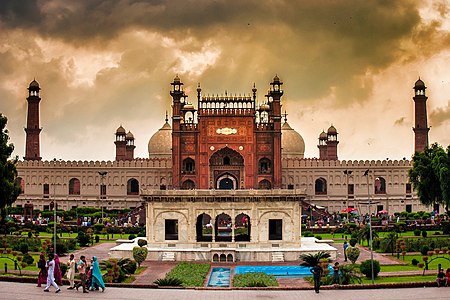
point(50, 273)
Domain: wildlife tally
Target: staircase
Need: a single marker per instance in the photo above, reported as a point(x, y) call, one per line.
point(277, 257)
point(168, 256)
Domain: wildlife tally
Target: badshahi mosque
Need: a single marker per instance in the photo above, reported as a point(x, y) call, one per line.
point(225, 179)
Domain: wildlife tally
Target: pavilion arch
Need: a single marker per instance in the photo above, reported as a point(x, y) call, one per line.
point(226, 157)
point(174, 218)
point(242, 227)
point(264, 185)
point(270, 216)
point(380, 185)
point(204, 228)
point(223, 227)
point(227, 182)
point(74, 186)
point(132, 187)
point(320, 186)
point(188, 185)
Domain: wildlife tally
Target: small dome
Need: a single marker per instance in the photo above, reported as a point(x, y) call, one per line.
point(276, 79)
point(120, 130)
point(292, 142)
point(188, 106)
point(34, 84)
point(419, 84)
point(130, 136)
point(176, 79)
point(332, 130)
point(323, 136)
point(160, 144)
point(264, 107)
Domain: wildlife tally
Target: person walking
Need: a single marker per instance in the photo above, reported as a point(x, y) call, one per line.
point(42, 277)
point(317, 272)
point(345, 250)
point(81, 266)
point(97, 279)
point(336, 275)
point(71, 272)
point(58, 274)
point(51, 274)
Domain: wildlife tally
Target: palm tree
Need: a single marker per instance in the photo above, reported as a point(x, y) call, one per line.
point(310, 260)
point(391, 239)
point(364, 234)
point(350, 274)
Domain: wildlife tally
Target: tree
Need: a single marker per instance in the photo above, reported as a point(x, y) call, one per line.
point(366, 268)
point(353, 253)
point(140, 254)
point(430, 175)
point(364, 234)
point(349, 274)
point(390, 240)
point(310, 260)
point(9, 187)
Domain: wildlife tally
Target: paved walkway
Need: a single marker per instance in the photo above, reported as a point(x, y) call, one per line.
point(24, 291)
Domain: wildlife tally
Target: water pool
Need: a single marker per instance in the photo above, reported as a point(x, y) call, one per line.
point(220, 277)
point(278, 271)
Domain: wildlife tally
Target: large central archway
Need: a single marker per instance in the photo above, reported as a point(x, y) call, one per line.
point(226, 166)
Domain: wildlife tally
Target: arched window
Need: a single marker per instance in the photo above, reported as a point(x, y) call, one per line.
point(74, 186)
point(189, 165)
point(188, 185)
point(264, 185)
point(223, 228)
point(264, 166)
point(132, 187)
point(204, 228)
point(380, 185)
point(320, 186)
point(21, 182)
point(226, 161)
point(242, 228)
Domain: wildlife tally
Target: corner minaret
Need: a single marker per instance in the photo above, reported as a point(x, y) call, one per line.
point(332, 143)
point(32, 145)
point(323, 138)
point(121, 143)
point(420, 115)
point(130, 146)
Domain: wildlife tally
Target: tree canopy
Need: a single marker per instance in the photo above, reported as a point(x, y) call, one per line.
point(430, 175)
point(9, 188)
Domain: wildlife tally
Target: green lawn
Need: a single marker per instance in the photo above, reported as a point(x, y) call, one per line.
point(393, 279)
point(10, 263)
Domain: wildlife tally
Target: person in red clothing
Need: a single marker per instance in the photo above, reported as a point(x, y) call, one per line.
point(447, 275)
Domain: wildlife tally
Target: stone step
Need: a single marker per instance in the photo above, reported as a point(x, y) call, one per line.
point(277, 257)
point(168, 256)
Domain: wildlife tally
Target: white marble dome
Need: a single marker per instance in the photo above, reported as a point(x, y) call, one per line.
point(292, 142)
point(160, 144)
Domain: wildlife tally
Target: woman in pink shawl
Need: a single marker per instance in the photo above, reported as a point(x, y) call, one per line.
point(58, 275)
point(42, 277)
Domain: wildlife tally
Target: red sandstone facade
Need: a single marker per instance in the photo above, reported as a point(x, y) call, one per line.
point(229, 142)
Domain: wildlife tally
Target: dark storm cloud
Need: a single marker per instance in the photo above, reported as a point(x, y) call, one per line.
point(440, 115)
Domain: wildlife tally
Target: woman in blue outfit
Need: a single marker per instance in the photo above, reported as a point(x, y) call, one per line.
point(97, 279)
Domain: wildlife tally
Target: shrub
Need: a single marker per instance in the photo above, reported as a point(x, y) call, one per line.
point(28, 259)
point(424, 250)
point(97, 239)
point(414, 262)
point(318, 237)
point(376, 244)
point(366, 268)
point(98, 227)
point(192, 274)
point(256, 279)
point(23, 247)
point(83, 239)
point(142, 242)
point(63, 269)
point(353, 253)
point(168, 282)
point(420, 265)
point(424, 233)
point(308, 234)
point(353, 242)
point(417, 232)
point(131, 237)
point(140, 254)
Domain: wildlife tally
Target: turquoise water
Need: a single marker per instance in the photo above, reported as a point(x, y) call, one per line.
point(278, 271)
point(220, 277)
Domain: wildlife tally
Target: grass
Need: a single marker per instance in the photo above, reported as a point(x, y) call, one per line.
point(254, 279)
point(393, 279)
point(10, 263)
point(191, 274)
point(140, 270)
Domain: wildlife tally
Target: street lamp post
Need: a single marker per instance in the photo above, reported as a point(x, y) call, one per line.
point(54, 217)
point(102, 190)
point(347, 175)
point(369, 204)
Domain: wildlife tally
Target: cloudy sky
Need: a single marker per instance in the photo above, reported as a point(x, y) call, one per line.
point(102, 64)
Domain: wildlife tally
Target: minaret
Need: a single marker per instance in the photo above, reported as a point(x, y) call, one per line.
point(332, 143)
point(420, 115)
point(121, 143)
point(323, 138)
point(32, 145)
point(178, 97)
point(130, 146)
point(274, 97)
